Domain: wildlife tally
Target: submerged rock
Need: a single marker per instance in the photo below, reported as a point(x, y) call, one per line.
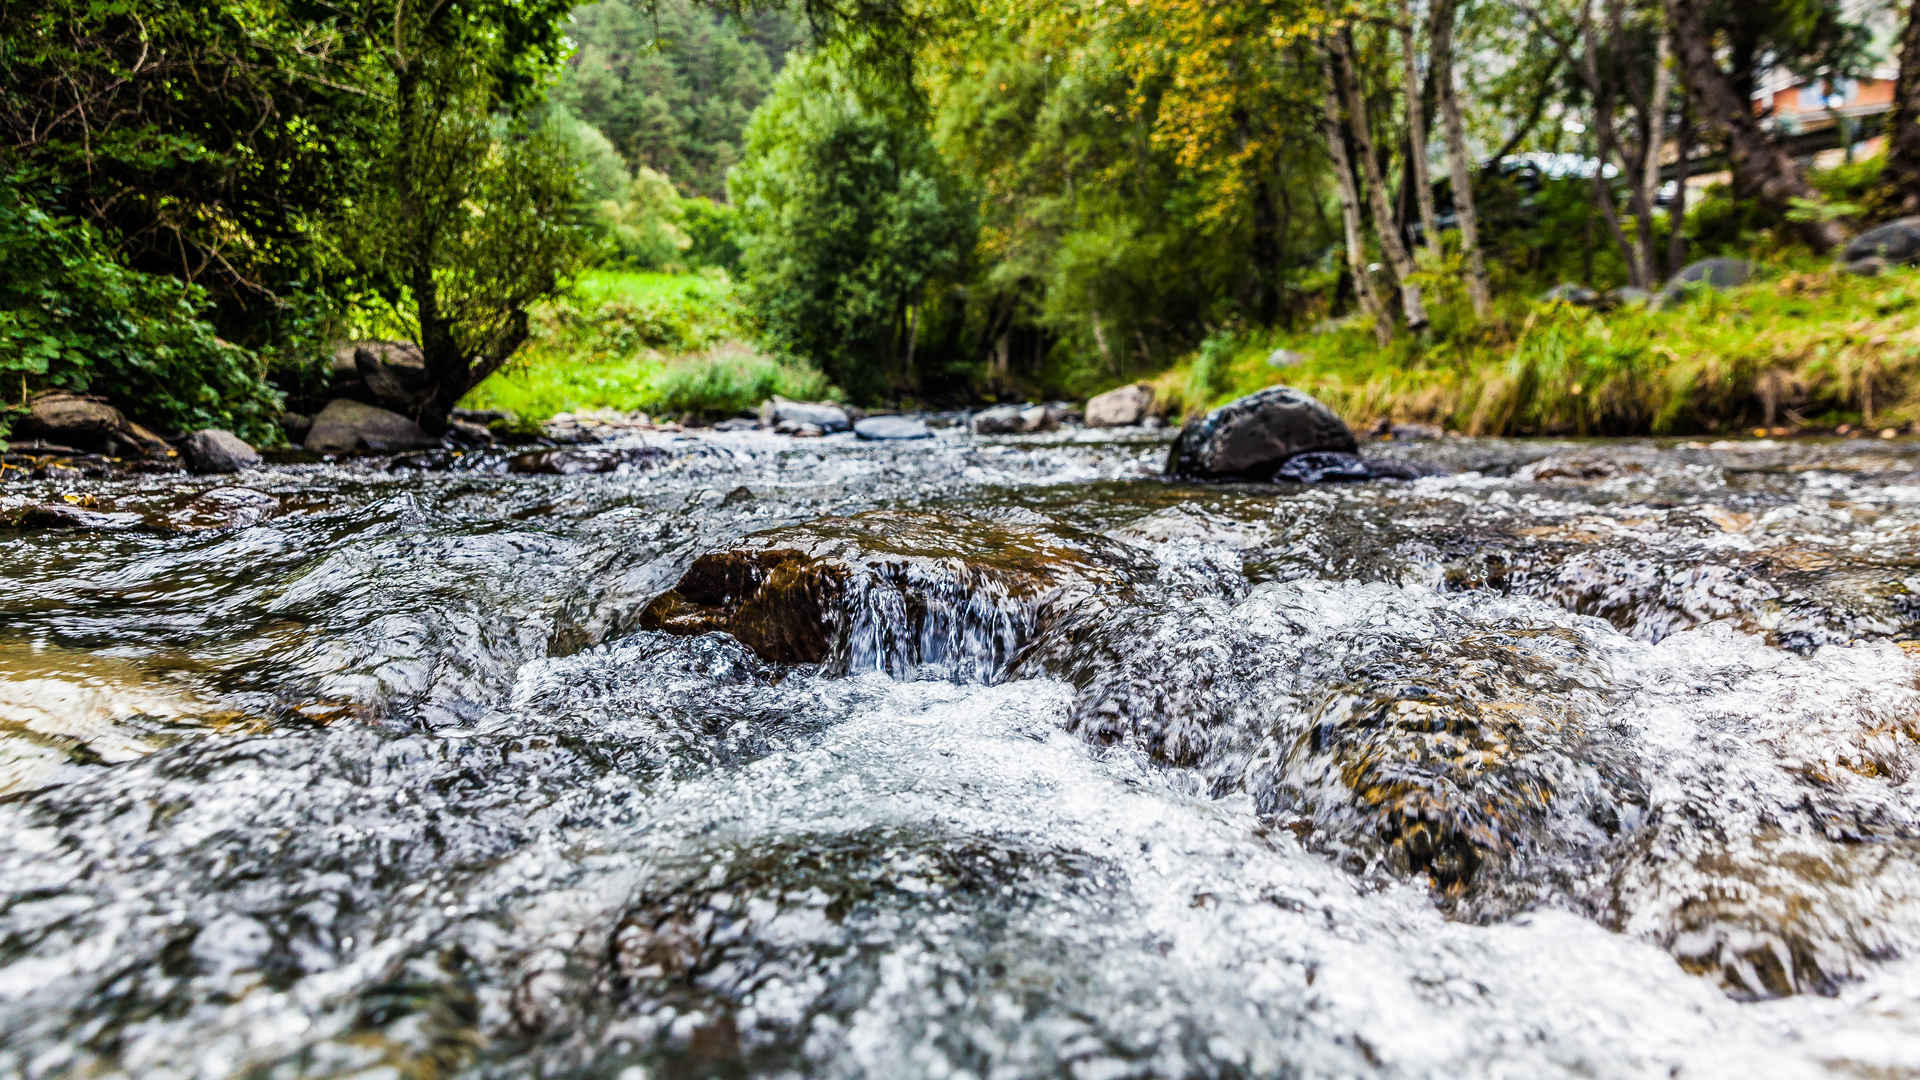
point(1324, 467)
point(215, 451)
point(892, 428)
point(346, 427)
point(1248, 439)
point(576, 461)
point(1121, 407)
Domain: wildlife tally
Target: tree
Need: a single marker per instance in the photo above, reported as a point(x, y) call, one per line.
point(473, 213)
point(1903, 122)
point(1459, 173)
point(207, 140)
point(1806, 36)
point(849, 219)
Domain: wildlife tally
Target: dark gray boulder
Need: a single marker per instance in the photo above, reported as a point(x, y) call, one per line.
point(215, 451)
point(1894, 244)
point(346, 427)
point(1248, 439)
point(891, 428)
point(1706, 274)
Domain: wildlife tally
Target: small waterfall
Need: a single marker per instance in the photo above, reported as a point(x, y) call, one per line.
point(940, 620)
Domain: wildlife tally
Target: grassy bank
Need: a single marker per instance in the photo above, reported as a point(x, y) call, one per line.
point(664, 344)
point(1803, 345)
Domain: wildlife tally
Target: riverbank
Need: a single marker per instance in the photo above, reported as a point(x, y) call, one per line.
point(1800, 348)
point(637, 341)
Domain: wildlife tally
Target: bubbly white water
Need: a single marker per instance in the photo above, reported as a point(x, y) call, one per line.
point(479, 824)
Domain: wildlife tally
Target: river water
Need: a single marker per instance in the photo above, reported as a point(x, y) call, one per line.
point(1594, 758)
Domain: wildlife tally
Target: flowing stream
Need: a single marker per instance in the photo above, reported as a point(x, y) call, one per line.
point(1571, 757)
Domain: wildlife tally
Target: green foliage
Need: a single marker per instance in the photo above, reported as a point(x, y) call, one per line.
point(730, 380)
point(849, 220)
point(72, 317)
point(211, 140)
point(1812, 345)
point(657, 343)
point(713, 228)
point(643, 227)
point(673, 83)
point(1111, 242)
point(473, 210)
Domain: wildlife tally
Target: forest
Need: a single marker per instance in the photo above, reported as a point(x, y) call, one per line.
point(1447, 211)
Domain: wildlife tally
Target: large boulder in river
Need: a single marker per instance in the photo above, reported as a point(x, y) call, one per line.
point(1250, 438)
point(1716, 274)
point(777, 412)
point(215, 451)
point(83, 422)
point(346, 427)
point(909, 593)
point(1897, 243)
point(1121, 407)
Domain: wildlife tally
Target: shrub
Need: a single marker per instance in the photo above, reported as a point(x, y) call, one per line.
point(73, 318)
point(731, 379)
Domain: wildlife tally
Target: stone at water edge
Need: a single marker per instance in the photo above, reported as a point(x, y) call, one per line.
point(212, 450)
point(87, 423)
point(1124, 406)
point(778, 411)
point(346, 427)
point(892, 428)
point(1014, 420)
point(1248, 439)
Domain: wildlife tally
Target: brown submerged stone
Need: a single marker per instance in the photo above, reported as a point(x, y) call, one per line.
point(789, 594)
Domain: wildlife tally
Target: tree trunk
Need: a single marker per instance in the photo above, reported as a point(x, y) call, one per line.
point(1457, 164)
point(1417, 134)
point(1677, 213)
point(1361, 127)
point(1332, 128)
point(1903, 123)
point(1602, 88)
point(1649, 179)
point(1760, 167)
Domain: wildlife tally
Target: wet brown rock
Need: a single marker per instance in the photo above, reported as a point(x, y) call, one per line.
point(88, 423)
point(901, 584)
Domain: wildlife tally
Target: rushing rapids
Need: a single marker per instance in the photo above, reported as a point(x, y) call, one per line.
point(736, 755)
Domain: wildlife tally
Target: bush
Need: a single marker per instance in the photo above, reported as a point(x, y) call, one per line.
point(73, 318)
point(729, 380)
point(714, 229)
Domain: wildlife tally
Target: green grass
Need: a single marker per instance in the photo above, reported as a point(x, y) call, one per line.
point(1806, 344)
point(664, 344)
